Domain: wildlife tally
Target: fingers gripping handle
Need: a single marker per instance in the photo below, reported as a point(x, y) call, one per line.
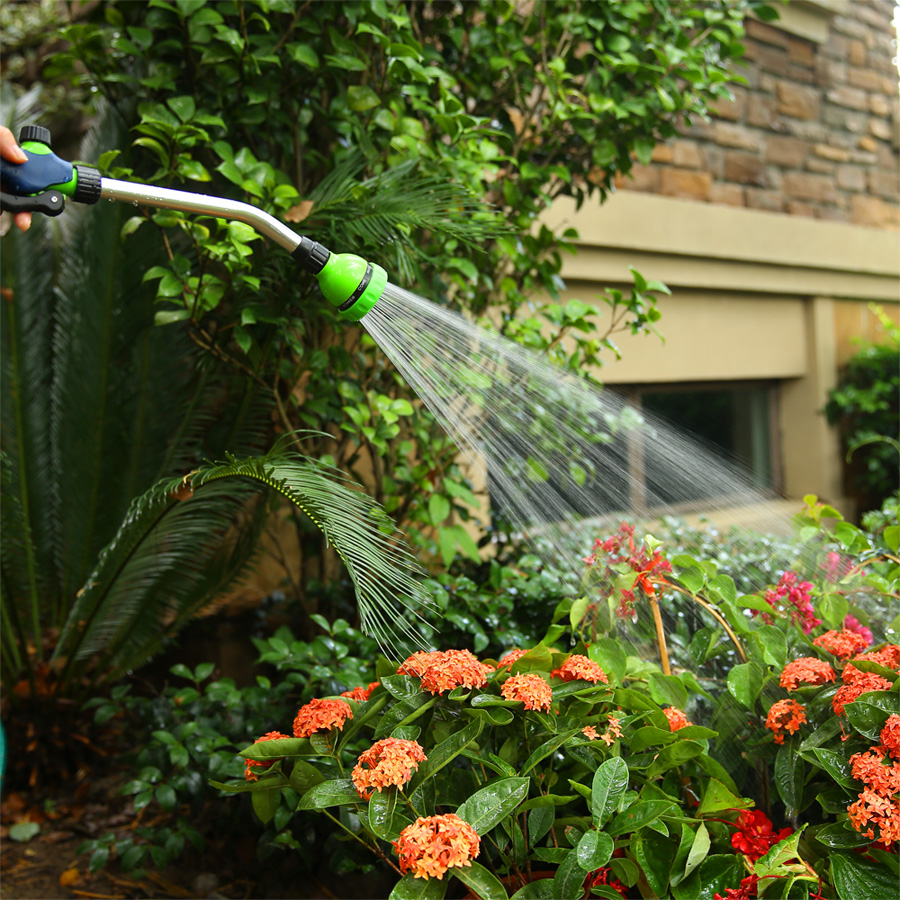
point(41, 183)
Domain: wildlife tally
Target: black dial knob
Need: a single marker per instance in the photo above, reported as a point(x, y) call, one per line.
point(35, 133)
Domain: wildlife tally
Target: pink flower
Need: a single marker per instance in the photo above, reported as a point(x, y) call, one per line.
point(851, 623)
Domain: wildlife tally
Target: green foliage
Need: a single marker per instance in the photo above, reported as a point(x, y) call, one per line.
point(409, 134)
point(865, 405)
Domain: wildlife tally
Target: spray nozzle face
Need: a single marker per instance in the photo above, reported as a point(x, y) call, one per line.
point(351, 284)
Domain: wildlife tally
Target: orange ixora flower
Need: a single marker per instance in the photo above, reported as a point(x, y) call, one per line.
point(842, 644)
point(806, 670)
point(433, 844)
point(613, 730)
point(361, 694)
point(452, 669)
point(510, 657)
point(875, 811)
point(890, 735)
point(677, 719)
point(590, 732)
point(876, 771)
point(888, 656)
point(785, 715)
point(857, 683)
point(417, 663)
point(321, 715)
point(391, 761)
point(250, 764)
point(580, 668)
point(531, 689)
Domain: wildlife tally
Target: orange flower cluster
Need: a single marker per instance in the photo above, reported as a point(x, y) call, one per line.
point(580, 668)
point(452, 669)
point(531, 689)
point(843, 644)
point(361, 694)
point(888, 656)
point(876, 770)
point(510, 657)
point(590, 732)
point(890, 736)
point(416, 664)
point(677, 719)
point(321, 715)
point(433, 844)
point(785, 715)
point(250, 764)
point(806, 670)
point(614, 730)
point(391, 761)
point(855, 684)
point(872, 811)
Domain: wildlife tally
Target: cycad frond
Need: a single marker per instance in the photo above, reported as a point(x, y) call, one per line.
point(176, 553)
point(383, 570)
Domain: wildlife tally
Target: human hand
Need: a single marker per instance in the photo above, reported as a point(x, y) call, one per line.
point(13, 153)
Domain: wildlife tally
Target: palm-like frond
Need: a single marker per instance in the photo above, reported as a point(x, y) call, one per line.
point(177, 551)
point(385, 210)
point(383, 570)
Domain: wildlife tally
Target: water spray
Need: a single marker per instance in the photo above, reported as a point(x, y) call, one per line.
point(43, 183)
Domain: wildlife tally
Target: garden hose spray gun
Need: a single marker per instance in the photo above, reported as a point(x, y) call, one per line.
point(42, 183)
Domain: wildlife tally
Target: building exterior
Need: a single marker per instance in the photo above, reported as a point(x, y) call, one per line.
point(775, 224)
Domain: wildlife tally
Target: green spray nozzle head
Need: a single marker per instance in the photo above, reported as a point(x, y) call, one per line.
point(351, 284)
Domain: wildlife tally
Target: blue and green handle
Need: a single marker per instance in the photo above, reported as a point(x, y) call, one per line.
point(42, 183)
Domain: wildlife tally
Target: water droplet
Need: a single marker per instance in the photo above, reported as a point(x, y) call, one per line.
point(134, 203)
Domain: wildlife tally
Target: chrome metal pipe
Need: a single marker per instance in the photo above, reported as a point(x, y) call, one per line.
point(202, 204)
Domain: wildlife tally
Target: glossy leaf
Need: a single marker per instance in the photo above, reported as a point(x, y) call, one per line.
point(607, 787)
point(488, 806)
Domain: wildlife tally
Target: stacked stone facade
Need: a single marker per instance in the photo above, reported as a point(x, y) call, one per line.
point(814, 132)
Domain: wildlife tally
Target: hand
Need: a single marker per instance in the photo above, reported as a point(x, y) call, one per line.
point(13, 153)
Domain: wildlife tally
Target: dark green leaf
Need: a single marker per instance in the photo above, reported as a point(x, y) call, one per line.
point(493, 803)
point(638, 815)
point(594, 850)
point(609, 784)
point(857, 878)
point(339, 792)
point(482, 882)
point(790, 774)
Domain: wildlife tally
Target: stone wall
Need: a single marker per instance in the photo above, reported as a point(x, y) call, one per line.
point(814, 132)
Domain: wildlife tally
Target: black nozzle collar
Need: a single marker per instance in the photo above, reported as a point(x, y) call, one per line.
point(311, 255)
point(87, 185)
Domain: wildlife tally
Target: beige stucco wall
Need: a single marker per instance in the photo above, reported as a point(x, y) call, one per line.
point(755, 295)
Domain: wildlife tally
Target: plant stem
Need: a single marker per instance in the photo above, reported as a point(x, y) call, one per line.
point(374, 849)
point(660, 637)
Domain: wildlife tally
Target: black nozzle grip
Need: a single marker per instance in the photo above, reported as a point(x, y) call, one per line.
point(311, 255)
point(51, 203)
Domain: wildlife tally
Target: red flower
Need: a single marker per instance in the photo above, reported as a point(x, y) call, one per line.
point(649, 565)
point(857, 683)
point(746, 891)
point(755, 836)
point(888, 656)
point(387, 762)
point(531, 689)
point(806, 670)
point(874, 769)
point(890, 735)
point(785, 715)
point(580, 668)
point(510, 657)
point(321, 715)
point(250, 764)
point(874, 811)
point(433, 844)
point(605, 876)
point(453, 668)
point(842, 644)
point(677, 719)
point(361, 694)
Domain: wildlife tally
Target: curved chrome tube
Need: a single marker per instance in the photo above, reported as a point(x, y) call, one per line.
point(202, 204)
